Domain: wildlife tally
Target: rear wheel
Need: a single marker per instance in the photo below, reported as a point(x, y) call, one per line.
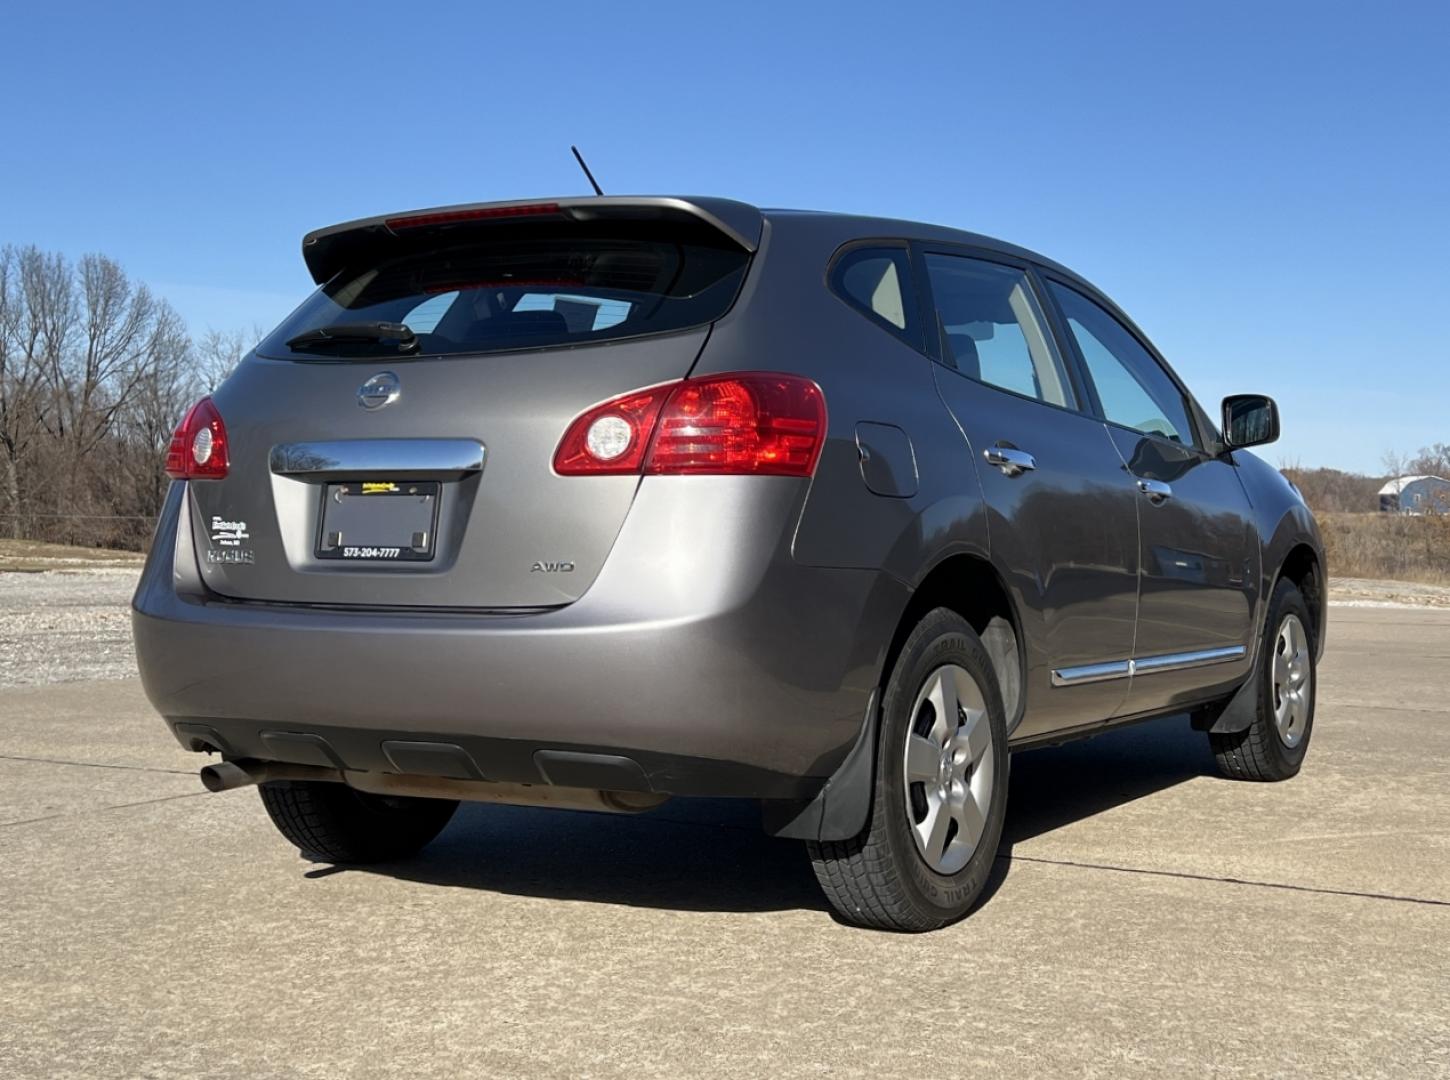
point(337, 824)
point(940, 789)
point(1274, 745)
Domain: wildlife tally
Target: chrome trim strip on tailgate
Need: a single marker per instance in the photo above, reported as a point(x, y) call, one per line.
point(397, 459)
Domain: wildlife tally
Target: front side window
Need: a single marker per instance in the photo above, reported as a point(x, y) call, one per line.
point(877, 282)
point(1134, 389)
point(992, 328)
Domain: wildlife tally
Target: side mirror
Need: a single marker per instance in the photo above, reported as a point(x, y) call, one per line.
point(1249, 420)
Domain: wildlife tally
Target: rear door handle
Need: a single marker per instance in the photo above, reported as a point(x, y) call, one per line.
point(1156, 490)
point(1011, 461)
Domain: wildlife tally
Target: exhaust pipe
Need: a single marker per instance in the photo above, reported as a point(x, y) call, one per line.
point(226, 775)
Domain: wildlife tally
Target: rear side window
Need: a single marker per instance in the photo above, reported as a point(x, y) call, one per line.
point(1134, 389)
point(519, 293)
point(992, 329)
point(877, 282)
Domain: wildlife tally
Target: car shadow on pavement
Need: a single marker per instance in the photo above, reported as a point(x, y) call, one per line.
point(689, 855)
point(1059, 785)
point(711, 855)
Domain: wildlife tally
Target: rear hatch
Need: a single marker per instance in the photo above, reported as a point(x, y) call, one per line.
point(391, 443)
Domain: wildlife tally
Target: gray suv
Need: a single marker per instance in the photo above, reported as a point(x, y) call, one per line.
point(592, 502)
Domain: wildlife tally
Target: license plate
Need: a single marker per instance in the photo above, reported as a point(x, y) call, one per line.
point(378, 520)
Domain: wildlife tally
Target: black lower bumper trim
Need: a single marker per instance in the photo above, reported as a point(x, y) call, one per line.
point(516, 761)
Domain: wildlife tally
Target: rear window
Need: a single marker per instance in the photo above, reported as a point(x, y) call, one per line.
point(483, 297)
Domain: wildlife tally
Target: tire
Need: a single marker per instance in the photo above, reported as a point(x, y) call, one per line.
point(885, 878)
point(334, 823)
point(1274, 745)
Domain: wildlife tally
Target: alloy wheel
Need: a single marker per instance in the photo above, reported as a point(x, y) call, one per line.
point(1293, 681)
point(948, 767)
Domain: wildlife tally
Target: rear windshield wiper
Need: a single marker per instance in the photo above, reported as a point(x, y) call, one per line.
point(353, 333)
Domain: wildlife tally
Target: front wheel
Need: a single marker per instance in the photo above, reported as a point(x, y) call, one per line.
point(940, 789)
point(1274, 745)
point(333, 822)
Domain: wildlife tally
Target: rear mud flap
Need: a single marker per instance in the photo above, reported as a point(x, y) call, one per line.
point(841, 808)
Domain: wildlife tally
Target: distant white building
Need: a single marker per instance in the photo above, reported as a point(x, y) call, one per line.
point(1416, 495)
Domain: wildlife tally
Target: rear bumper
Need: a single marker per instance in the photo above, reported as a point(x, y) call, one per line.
point(715, 667)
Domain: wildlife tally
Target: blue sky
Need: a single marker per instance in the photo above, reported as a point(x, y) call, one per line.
point(1265, 187)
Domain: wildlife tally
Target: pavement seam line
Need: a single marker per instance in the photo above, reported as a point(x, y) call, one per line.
point(1383, 708)
point(103, 809)
point(94, 764)
point(1187, 876)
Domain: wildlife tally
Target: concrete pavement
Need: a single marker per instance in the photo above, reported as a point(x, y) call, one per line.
point(1146, 918)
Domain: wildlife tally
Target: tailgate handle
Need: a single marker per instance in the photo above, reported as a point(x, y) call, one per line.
point(396, 459)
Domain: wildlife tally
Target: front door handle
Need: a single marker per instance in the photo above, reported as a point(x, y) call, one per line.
point(1011, 461)
point(1157, 491)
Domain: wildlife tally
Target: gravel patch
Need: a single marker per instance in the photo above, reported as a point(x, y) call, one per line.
point(65, 625)
point(1362, 592)
point(38, 555)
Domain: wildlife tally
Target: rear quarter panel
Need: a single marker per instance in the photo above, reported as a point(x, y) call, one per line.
point(787, 319)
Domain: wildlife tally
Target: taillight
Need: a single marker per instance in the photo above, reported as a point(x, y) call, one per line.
point(747, 423)
point(198, 448)
point(757, 423)
point(611, 438)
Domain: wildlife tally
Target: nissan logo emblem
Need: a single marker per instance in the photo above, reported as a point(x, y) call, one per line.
point(382, 389)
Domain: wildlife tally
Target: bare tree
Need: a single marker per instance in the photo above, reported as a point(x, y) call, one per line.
point(95, 372)
point(118, 323)
point(37, 321)
point(15, 404)
point(167, 385)
point(1330, 490)
point(1431, 461)
point(219, 352)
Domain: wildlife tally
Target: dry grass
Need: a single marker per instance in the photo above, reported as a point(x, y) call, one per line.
point(1388, 547)
point(33, 555)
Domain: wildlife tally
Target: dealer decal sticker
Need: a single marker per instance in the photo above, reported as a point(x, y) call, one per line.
point(228, 533)
point(227, 536)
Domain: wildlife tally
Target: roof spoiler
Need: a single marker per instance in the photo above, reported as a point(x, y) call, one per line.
point(327, 251)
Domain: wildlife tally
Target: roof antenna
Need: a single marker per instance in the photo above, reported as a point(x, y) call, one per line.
point(592, 182)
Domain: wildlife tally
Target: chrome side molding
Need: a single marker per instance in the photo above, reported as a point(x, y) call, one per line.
point(1148, 665)
point(1091, 673)
point(1179, 661)
point(395, 459)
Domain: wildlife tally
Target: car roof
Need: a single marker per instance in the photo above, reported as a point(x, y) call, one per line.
point(862, 226)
